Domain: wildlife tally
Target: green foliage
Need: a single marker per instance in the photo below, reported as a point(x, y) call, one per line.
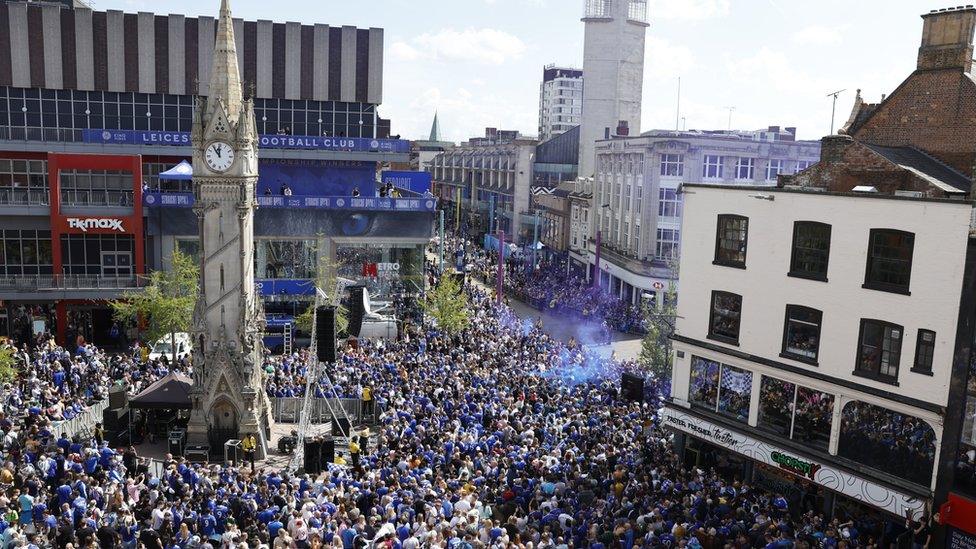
point(656, 347)
point(8, 363)
point(447, 304)
point(327, 279)
point(166, 302)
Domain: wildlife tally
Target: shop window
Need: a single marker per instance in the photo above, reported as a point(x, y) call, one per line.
point(898, 444)
point(735, 392)
point(776, 401)
point(720, 388)
point(801, 334)
point(924, 352)
point(811, 250)
point(795, 412)
point(730, 240)
point(287, 259)
point(704, 383)
point(725, 316)
point(889, 265)
point(879, 350)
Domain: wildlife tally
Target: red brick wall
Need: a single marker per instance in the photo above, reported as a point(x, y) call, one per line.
point(934, 111)
point(845, 164)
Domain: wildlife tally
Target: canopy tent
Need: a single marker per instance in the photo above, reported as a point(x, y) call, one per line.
point(169, 392)
point(180, 172)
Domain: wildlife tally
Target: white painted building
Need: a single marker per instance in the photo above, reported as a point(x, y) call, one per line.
point(636, 206)
point(579, 214)
point(477, 174)
point(560, 100)
point(613, 64)
point(815, 337)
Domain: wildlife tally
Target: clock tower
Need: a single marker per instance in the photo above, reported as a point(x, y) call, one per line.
point(228, 399)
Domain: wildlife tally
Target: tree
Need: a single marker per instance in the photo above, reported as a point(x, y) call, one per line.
point(327, 280)
point(166, 302)
point(656, 346)
point(447, 304)
point(8, 363)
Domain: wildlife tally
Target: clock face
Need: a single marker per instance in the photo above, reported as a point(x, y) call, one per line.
point(219, 156)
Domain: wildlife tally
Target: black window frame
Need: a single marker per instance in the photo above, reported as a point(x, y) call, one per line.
point(877, 375)
point(871, 269)
point(784, 352)
point(795, 270)
point(720, 225)
point(919, 365)
point(711, 318)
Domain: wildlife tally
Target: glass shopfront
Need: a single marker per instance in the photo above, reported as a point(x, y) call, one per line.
point(384, 269)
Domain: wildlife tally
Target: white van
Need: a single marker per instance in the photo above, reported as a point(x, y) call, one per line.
point(164, 347)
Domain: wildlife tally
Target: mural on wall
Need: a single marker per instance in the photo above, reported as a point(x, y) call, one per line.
point(833, 479)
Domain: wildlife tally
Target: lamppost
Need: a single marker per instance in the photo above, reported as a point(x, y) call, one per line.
point(599, 242)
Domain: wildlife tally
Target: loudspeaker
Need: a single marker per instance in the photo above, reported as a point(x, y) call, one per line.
point(325, 334)
point(117, 397)
point(356, 309)
point(313, 457)
point(328, 453)
point(340, 427)
point(114, 419)
point(632, 387)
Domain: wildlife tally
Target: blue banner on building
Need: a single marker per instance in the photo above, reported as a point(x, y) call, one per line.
point(418, 182)
point(285, 286)
point(185, 200)
point(306, 142)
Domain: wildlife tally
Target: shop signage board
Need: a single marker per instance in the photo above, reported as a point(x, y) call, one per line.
point(829, 477)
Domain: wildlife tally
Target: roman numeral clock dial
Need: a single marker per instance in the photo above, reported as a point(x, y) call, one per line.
point(219, 156)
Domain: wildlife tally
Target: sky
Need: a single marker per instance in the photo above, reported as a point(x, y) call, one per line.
point(479, 63)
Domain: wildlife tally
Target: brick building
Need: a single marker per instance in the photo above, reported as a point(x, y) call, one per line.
point(919, 142)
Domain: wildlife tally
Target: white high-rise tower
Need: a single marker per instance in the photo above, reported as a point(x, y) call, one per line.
point(613, 69)
point(227, 397)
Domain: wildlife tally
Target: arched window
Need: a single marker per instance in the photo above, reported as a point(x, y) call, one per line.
point(895, 443)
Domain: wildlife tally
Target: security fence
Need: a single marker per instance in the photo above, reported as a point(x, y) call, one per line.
point(289, 409)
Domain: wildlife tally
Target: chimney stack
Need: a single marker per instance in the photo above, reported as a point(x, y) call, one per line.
point(947, 39)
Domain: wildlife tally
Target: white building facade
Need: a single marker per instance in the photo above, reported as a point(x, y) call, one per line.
point(613, 64)
point(560, 100)
point(472, 178)
point(636, 206)
point(815, 338)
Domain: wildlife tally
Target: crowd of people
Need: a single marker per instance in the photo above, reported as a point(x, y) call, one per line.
point(496, 437)
point(550, 287)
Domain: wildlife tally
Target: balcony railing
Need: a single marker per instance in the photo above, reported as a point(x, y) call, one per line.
point(70, 282)
point(25, 197)
point(90, 197)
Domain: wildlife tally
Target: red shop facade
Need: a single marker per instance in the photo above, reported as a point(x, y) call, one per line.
point(94, 246)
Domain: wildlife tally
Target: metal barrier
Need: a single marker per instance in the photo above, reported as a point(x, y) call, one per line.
point(85, 421)
point(288, 409)
point(25, 197)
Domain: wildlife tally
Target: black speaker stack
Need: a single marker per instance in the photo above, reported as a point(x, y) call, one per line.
point(117, 397)
point(340, 427)
point(325, 334)
point(313, 456)
point(319, 453)
point(632, 387)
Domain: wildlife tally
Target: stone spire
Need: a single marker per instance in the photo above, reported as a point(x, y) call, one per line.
point(435, 130)
point(225, 77)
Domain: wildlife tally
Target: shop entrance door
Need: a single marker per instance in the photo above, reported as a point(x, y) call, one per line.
point(117, 264)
